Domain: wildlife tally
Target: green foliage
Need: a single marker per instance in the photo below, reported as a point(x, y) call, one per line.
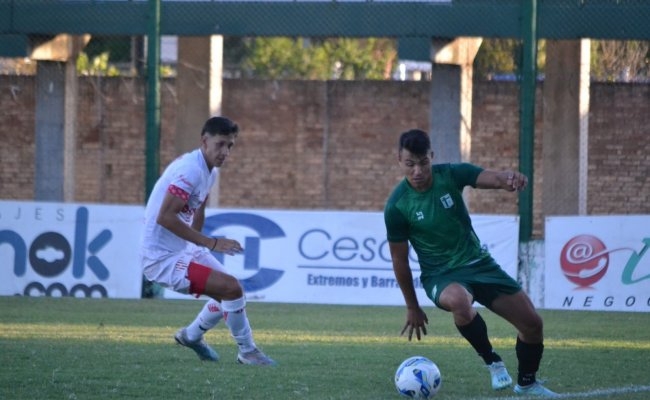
point(620, 60)
point(501, 57)
point(98, 66)
point(300, 58)
point(610, 60)
point(496, 56)
point(67, 348)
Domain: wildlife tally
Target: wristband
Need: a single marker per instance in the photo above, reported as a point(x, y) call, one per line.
point(215, 244)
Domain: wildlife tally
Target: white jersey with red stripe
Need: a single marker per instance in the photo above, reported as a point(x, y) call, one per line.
point(189, 178)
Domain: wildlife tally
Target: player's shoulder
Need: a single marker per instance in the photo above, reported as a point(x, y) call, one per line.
point(456, 170)
point(187, 163)
point(447, 167)
point(399, 191)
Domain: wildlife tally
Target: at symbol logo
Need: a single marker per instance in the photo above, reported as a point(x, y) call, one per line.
point(584, 260)
point(265, 277)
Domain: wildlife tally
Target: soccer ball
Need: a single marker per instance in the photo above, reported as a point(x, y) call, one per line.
point(418, 378)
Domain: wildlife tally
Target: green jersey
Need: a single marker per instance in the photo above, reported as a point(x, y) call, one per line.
point(436, 222)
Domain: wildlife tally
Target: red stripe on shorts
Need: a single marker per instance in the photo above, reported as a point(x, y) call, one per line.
point(198, 276)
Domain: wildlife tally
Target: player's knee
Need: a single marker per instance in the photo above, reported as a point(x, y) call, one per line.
point(457, 304)
point(232, 289)
point(534, 327)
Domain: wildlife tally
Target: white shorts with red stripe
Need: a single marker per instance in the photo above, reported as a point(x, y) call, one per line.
point(171, 272)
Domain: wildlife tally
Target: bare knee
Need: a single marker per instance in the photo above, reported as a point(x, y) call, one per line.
point(233, 289)
point(532, 330)
point(222, 286)
point(457, 300)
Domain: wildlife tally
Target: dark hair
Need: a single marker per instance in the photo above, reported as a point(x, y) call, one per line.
point(415, 141)
point(219, 126)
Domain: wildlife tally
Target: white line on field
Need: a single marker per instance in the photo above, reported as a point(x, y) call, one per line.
point(583, 395)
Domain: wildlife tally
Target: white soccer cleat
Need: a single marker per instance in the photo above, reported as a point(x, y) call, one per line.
point(500, 377)
point(255, 357)
point(536, 389)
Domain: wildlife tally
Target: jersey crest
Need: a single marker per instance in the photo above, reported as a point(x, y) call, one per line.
point(447, 201)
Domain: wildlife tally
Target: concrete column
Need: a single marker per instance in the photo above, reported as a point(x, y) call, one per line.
point(49, 175)
point(199, 89)
point(56, 111)
point(70, 101)
point(451, 97)
point(566, 121)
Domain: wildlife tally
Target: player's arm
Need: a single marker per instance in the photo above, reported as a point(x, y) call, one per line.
point(199, 216)
point(168, 218)
point(506, 180)
point(415, 317)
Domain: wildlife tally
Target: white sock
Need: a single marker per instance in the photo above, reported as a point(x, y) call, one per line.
point(207, 319)
point(237, 321)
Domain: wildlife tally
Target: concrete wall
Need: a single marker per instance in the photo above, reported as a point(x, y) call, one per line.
point(323, 145)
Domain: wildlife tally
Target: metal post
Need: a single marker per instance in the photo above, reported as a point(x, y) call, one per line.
point(527, 86)
point(153, 98)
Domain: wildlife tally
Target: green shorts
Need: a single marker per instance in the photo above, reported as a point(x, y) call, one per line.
point(485, 280)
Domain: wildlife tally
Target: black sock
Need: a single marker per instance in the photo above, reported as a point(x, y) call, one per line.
point(529, 356)
point(477, 335)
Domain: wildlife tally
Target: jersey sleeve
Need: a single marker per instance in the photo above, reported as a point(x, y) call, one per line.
point(397, 228)
point(184, 182)
point(465, 174)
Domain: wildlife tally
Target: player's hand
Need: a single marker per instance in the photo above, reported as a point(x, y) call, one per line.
point(416, 320)
point(228, 246)
point(515, 181)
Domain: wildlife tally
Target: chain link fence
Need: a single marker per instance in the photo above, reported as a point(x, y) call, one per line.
point(348, 47)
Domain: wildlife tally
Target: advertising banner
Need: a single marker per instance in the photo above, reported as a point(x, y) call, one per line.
point(330, 257)
point(65, 249)
point(598, 263)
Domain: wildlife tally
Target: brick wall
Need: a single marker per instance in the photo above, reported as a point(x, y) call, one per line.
point(323, 145)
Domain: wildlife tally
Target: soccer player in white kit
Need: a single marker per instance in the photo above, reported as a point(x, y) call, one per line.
point(177, 255)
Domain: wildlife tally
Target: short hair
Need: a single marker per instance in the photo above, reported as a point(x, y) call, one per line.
point(415, 141)
point(219, 126)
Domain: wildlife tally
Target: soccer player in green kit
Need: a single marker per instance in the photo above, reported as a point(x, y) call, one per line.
point(426, 209)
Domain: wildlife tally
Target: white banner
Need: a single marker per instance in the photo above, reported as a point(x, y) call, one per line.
point(64, 249)
point(330, 257)
point(598, 263)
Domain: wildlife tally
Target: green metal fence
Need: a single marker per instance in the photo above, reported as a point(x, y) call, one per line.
point(331, 40)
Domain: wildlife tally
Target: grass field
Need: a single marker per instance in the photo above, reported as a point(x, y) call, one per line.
point(67, 348)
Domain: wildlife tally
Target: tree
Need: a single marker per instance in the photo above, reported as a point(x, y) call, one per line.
point(620, 60)
point(498, 57)
point(321, 59)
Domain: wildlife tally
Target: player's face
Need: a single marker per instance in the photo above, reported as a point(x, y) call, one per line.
point(216, 148)
point(417, 169)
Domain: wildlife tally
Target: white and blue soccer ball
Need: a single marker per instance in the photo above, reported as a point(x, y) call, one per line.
point(418, 378)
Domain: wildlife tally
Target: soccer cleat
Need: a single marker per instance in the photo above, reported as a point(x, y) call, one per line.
point(200, 347)
point(499, 374)
point(536, 389)
point(255, 357)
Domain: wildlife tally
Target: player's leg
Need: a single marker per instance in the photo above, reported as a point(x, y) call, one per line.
point(213, 282)
point(212, 311)
point(171, 273)
point(519, 310)
point(207, 318)
point(458, 300)
point(192, 335)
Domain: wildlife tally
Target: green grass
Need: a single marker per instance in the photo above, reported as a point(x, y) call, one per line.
point(70, 348)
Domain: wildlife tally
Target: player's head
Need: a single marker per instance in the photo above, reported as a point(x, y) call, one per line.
point(416, 141)
point(415, 157)
point(219, 126)
point(217, 139)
